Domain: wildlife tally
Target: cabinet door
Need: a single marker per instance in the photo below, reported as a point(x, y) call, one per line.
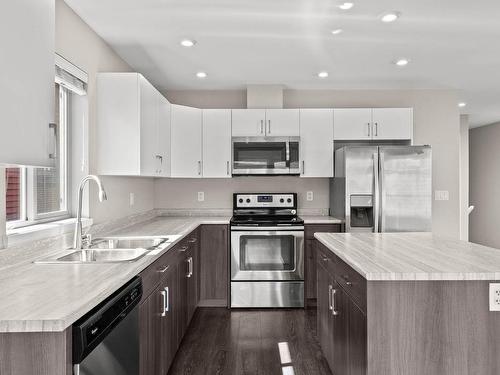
point(164, 159)
point(357, 340)
point(149, 103)
point(27, 82)
point(282, 122)
point(186, 141)
point(352, 124)
point(248, 122)
point(214, 265)
point(150, 311)
point(324, 318)
point(192, 274)
point(316, 142)
point(216, 143)
point(339, 330)
point(392, 123)
point(168, 322)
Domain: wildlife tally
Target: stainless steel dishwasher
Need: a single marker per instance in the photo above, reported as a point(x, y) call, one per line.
point(106, 340)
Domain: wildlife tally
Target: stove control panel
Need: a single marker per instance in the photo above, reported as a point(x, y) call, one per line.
point(277, 200)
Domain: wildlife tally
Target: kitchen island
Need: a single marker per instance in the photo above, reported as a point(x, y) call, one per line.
point(406, 304)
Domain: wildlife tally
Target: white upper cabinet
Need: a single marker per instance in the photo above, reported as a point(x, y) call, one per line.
point(392, 123)
point(186, 141)
point(352, 124)
point(372, 124)
point(27, 82)
point(216, 143)
point(316, 142)
point(130, 125)
point(282, 122)
point(265, 122)
point(249, 122)
point(164, 158)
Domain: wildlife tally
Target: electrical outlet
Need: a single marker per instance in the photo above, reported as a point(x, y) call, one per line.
point(494, 296)
point(442, 195)
point(310, 196)
point(201, 196)
point(131, 199)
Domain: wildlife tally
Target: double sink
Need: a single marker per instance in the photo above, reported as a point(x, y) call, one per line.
point(112, 250)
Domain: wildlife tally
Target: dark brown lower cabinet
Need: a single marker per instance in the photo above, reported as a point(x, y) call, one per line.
point(169, 294)
point(149, 335)
point(341, 324)
point(310, 257)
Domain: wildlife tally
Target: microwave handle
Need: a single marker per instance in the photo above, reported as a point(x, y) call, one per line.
point(287, 154)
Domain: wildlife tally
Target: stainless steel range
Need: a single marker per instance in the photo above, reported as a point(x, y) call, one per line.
point(267, 251)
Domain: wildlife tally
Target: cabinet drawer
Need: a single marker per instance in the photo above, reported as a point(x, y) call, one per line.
point(351, 281)
point(310, 229)
point(325, 257)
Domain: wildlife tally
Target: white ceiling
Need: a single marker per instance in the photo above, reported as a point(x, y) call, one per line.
point(451, 44)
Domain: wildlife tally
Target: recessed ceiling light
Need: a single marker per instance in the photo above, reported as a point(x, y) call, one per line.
point(337, 31)
point(201, 75)
point(462, 104)
point(402, 62)
point(390, 16)
point(188, 42)
point(346, 6)
point(323, 74)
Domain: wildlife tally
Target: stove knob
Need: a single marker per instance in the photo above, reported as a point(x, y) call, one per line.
point(282, 200)
point(240, 200)
point(248, 200)
point(289, 200)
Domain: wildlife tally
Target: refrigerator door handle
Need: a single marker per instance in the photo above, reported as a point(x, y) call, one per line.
point(382, 193)
point(376, 193)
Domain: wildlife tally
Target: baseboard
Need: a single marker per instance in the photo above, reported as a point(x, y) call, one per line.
point(212, 303)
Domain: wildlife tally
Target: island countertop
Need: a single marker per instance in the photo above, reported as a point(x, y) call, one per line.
point(413, 256)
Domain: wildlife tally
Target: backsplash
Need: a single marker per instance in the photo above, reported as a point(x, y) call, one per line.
point(218, 192)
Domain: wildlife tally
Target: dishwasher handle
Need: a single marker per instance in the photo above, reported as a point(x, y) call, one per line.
point(91, 329)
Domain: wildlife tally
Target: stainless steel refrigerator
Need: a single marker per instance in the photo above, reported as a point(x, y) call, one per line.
point(383, 188)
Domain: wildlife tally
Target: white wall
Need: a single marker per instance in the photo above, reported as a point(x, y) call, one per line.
point(436, 123)
point(484, 148)
point(183, 193)
point(79, 44)
point(464, 177)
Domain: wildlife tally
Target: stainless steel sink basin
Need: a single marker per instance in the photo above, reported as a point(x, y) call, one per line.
point(128, 242)
point(112, 250)
point(103, 256)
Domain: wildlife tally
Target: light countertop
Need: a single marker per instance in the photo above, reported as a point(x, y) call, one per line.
point(317, 219)
point(51, 297)
point(413, 256)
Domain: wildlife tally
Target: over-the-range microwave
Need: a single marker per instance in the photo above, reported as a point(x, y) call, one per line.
point(266, 155)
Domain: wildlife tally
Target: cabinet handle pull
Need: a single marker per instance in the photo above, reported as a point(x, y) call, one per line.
point(368, 126)
point(376, 129)
point(163, 269)
point(183, 248)
point(269, 126)
point(303, 166)
point(190, 267)
point(164, 297)
point(330, 306)
point(261, 126)
point(167, 308)
point(334, 311)
point(199, 167)
point(193, 240)
point(227, 168)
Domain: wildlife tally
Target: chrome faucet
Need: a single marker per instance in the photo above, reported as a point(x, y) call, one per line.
point(79, 238)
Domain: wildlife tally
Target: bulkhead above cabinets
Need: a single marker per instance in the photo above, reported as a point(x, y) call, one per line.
point(140, 133)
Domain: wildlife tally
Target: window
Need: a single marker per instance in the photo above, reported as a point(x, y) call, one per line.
point(40, 194)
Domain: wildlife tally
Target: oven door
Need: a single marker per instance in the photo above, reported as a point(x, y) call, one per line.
point(267, 254)
point(271, 155)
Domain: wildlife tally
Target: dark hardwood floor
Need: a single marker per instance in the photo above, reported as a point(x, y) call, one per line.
point(241, 342)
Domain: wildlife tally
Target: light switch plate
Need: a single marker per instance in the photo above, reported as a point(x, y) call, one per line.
point(201, 196)
point(494, 296)
point(131, 199)
point(442, 195)
point(310, 196)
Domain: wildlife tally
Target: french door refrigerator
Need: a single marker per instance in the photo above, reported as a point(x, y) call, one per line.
point(383, 188)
